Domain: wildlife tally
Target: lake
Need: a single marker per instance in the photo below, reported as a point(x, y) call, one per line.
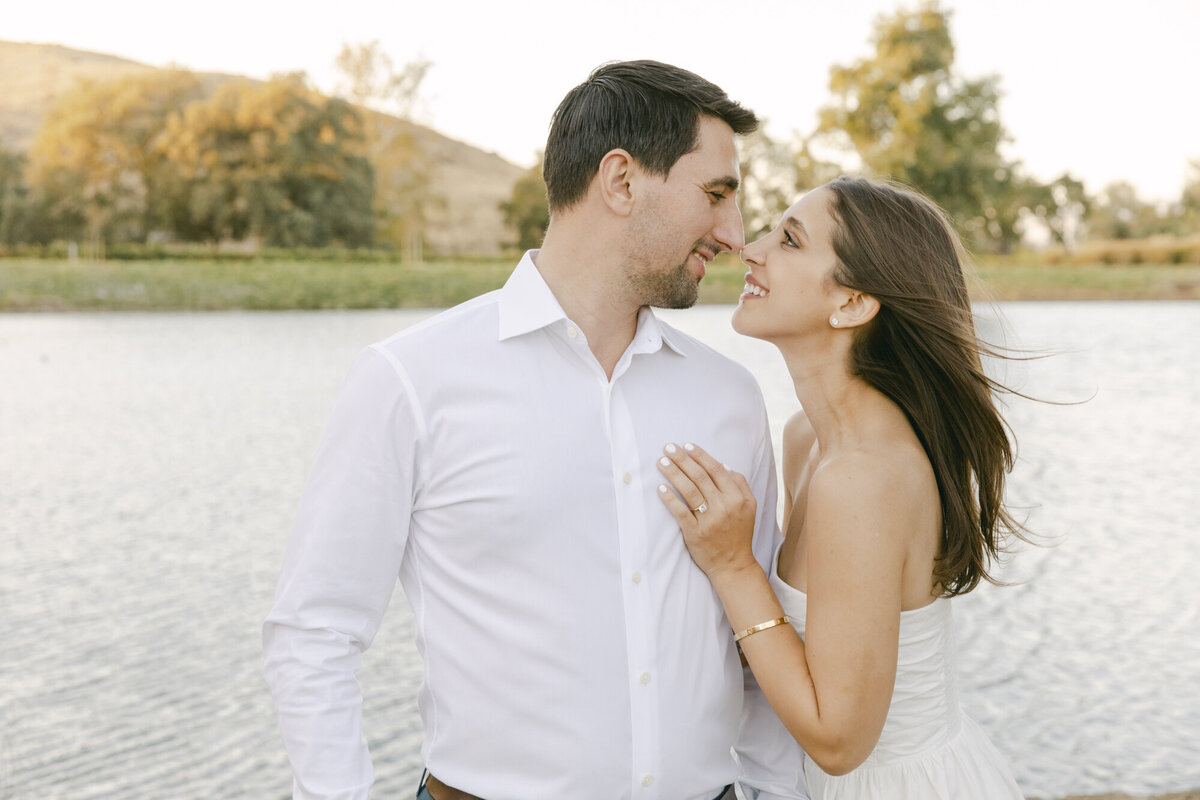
point(150, 465)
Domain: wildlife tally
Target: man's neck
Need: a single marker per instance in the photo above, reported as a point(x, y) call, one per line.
point(588, 285)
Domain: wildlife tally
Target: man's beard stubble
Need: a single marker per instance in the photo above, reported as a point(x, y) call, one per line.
point(674, 289)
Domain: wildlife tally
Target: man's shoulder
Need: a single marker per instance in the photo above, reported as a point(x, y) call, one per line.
point(447, 330)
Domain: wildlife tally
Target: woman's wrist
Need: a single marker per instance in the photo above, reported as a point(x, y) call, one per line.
point(734, 571)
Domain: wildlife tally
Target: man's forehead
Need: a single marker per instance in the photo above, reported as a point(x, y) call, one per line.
point(715, 151)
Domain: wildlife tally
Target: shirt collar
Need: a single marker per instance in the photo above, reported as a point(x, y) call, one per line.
point(652, 333)
point(527, 304)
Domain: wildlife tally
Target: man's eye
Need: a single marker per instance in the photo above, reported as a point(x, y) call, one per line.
point(717, 196)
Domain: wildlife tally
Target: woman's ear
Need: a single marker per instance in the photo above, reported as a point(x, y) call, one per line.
point(857, 309)
point(614, 181)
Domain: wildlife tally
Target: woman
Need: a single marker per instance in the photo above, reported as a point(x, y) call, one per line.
point(894, 476)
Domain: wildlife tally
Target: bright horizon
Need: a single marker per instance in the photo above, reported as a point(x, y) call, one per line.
point(1099, 92)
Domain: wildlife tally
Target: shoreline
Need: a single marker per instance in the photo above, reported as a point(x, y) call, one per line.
point(49, 285)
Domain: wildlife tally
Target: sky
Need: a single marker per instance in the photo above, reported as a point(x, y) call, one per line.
point(1107, 91)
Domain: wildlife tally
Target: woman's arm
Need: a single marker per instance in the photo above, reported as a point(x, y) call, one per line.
point(832, 693)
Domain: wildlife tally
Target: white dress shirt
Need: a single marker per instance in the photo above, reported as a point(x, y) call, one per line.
point(571, 647)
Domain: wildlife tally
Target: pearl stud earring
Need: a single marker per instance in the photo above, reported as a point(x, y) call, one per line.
point(833, 321)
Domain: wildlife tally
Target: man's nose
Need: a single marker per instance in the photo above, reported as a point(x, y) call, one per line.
point(729, 231)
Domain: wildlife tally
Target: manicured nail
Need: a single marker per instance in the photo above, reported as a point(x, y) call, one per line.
point(689, 447)
point(664, 461)
point(662, 488)
point(670, 448)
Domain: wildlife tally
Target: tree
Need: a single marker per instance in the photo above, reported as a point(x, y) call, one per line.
point(911, 117)
point(14, 201)
point(527, 212)
point(768, 182)
point(1060, 206)
point(774, 174)
point(404, 195)
point(1119, 213)
point(95, 165)
point(276, 161)
point(369, 76)
point(1189, 201)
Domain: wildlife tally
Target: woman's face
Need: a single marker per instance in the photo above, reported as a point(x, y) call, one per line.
point(790, 291)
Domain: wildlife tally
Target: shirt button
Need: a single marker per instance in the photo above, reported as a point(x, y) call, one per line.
point(645, 678)
point(647, 780)
point(572, 332)
point(637, 577)
point(627, 478)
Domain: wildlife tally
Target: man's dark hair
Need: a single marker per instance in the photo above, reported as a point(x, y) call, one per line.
point(650, 109)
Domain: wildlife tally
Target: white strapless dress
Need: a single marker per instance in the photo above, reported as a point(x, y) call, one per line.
point(929, 749)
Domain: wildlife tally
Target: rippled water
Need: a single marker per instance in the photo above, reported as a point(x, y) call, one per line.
point(150, 465)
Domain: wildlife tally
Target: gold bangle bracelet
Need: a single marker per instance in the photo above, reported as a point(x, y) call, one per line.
point(762, 626)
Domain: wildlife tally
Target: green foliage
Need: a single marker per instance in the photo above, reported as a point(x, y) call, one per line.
point(404, 198)
point(1189, 202)
point(773, 174)
point(527, 212)
point(1190, 199)
point(913, 118)
point(1118, 213)
point(274, 161)
point(96, 168)
point(153, 155)
point(14, 200)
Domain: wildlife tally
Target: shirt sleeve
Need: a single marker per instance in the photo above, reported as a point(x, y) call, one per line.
point(339, 572)
point(770, 762)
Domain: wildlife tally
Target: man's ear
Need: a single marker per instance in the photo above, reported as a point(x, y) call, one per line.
point(614, 180)
point(857, 309)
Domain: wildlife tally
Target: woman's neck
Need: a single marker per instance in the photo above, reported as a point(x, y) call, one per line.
point(845, 412)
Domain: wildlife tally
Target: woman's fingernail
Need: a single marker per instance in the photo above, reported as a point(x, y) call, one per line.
point(670, 448)
point(664, 461)
point(689, 446)
point(662, 488)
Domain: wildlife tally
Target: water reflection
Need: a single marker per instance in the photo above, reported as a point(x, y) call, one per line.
point(151, 464)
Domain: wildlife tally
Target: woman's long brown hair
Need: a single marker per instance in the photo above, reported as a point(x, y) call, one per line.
point(921, 350)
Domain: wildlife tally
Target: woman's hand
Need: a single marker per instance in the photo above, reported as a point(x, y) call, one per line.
point(716, 513)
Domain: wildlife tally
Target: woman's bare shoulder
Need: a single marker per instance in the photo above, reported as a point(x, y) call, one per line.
point(883, 487)
point(798, 439)
point(798, 434)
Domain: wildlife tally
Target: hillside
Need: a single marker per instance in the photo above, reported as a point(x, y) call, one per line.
point(472, 182)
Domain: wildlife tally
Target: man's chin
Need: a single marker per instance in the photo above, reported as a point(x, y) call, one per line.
point(678, 302)
point(682, 295)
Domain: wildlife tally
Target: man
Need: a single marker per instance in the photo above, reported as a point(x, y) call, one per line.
point(500, 458)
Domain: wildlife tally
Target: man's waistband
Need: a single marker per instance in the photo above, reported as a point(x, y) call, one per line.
point(433, 789)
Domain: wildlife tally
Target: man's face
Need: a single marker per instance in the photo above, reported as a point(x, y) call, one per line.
point(681, 223)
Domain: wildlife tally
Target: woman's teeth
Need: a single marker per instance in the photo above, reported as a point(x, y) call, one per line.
point(757, 291)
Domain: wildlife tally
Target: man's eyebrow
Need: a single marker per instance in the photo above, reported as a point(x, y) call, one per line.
point(728, 182)
point(796, 225)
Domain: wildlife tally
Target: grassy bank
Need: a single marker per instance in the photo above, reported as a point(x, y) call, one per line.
point(61, 285)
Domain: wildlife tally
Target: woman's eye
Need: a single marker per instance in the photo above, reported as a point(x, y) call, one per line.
point(788, 240)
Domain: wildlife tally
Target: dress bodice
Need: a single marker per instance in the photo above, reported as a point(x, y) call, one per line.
point(924, 713)
point(928, 749)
